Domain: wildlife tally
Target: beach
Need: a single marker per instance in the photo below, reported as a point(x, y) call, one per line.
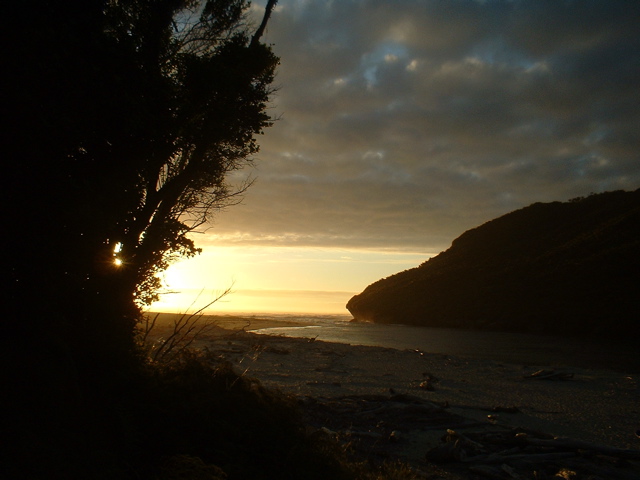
point(598, 406)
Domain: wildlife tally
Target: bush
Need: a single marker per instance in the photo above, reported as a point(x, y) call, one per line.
point(200, 407)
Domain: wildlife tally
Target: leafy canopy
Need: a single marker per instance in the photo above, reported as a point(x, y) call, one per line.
point(125, 122)
point(207, 84)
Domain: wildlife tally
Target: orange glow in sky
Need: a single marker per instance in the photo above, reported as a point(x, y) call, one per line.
point(278, 279)
point(398, 132)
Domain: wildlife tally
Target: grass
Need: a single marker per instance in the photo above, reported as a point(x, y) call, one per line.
point(191, 417)
point(204, 417)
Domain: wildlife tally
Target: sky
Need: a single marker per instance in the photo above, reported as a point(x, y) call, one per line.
point(400, 125)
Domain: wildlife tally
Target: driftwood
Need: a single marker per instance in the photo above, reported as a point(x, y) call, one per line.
point(377, 427)
point(571, 444)
point(518, 455)
point(381, 427)
point(549, 375)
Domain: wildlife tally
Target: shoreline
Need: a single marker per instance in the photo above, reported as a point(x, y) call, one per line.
point(594, 405)
point(598, 406)
point(221, 323)
point(509, 347)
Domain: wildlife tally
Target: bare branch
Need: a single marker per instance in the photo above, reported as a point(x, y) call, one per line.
point(267, 14)
point(186, 329)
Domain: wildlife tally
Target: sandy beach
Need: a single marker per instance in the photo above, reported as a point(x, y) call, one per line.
point(598, 406)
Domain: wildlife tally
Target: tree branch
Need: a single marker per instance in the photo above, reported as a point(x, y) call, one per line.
point(267, 14)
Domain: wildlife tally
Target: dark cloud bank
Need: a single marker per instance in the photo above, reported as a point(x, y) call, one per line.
point(404, 123)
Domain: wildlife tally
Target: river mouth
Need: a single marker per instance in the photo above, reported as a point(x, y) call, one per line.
point(519, 348)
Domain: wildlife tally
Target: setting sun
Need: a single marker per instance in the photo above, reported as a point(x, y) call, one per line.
point(278, 279)
point(117, 248)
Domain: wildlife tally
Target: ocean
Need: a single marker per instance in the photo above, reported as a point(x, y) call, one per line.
point(525, 349)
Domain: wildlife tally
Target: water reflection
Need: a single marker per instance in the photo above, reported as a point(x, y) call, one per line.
point(526, 349)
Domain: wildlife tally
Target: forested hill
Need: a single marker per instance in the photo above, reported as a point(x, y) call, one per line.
point(570, 267)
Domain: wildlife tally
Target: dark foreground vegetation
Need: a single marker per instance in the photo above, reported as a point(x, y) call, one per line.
point(123, 121)
point(569, 268)
point(193, 419)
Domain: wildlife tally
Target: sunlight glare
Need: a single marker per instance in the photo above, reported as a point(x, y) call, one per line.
point(117, 248)
point(279, 279)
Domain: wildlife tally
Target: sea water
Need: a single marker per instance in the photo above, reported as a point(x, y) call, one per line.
point(525, 349)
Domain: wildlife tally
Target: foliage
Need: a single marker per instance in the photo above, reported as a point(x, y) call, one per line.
point(210, 85)
point(125, 122)
point(260, 435)
point(548, 268)
point(186, 329)
point(200, 405)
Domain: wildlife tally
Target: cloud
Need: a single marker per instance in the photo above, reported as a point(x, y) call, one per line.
point(404, 123)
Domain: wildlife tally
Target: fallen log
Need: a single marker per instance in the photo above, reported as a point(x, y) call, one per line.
point(549, 375)
point(610, 473)
point(536, 458)
point(571, 444)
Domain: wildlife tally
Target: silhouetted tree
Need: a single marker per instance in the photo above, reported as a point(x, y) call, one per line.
point(125, 120)
point(210, 83)
point(122, 120)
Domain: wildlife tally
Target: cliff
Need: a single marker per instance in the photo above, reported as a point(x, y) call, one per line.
point(571, 267)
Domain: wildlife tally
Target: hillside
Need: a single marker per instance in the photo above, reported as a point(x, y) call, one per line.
point(571, 267)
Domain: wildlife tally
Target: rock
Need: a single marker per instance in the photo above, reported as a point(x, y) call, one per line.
point(427, 385)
